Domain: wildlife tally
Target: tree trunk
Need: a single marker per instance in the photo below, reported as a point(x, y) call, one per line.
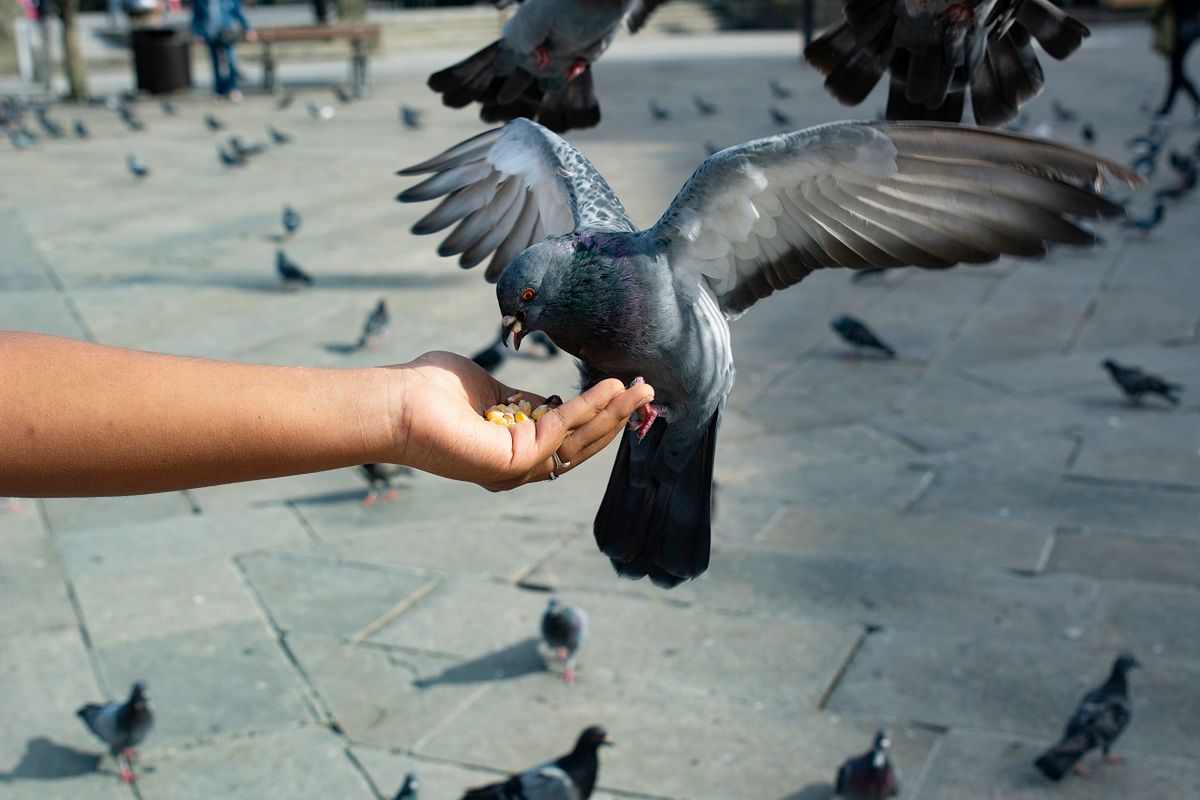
point(73, 63)
point(352, 10)
point(8, 40)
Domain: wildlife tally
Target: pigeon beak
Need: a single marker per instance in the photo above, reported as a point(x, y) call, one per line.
point(512, 326)
point(608, 740)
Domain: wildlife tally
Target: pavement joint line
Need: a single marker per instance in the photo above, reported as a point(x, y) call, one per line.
point(363, 774)
point(1043, 561)
point(920, 490)
point(520, 577)
point(290, 505)
point(396, 611)
point(454, 714)
point(969, 312)
point(1139, 485)
point(1077, 442)
point(904, 439)
point(844, 666)
point(919, 783)
point(771, 522)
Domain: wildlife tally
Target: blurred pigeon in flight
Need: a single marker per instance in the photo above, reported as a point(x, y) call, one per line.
point(869, 776)
point(571, 777)
point(1136, 384)
point(375, 328)
point(411, 788)
point(121, 725)
point(753, 219)
point(291, 221)
point(136, 168)
point(290, 273)
point(564, 630)
point(1099, 719)
point(856, 334)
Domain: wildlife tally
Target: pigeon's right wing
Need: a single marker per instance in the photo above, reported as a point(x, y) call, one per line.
point(509, 188)
point(104, 723)
point(548, 783)
point(759, 217)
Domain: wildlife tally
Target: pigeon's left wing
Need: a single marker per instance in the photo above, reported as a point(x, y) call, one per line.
point(509, 188)
point(639, 12)
point(761, 216)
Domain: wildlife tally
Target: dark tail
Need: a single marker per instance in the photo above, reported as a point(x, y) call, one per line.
point(470, 80)
point(575, 106)
point(853, 56)
point(1058, 34)
point(1058, 760)
point(920, 89)
point(656, 516)
point(1009, 75)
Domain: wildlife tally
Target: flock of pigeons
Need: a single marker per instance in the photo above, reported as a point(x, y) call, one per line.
point(574, 273)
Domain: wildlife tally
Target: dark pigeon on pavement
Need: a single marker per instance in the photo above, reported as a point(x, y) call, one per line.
point(572, 777)
point(51, 126)
point(658, 113)
point(136, 168)
point(705, 107)
point(780, 118)
point(379, 481)
point(121, 725)
point(291, 220)
point(778, 90)
point(212, 123)
point(1061, 112)
point(410, 118)
point(81, 129)
point(1088, 133)
point(375, 328)
point(1147, 223)
point(321, 113)
point(245, 147)
point(230, 158)
point(868, 275)
point(1137, 384)
point(341, 94)
point(23, 139)
point(290, 273)
point(278, 136)
point(870, 776)
point(285, 102)
point(564, 630)
point(410, 789)
point(131, 120)
point(168, 107)
point(1101, 716)
point(856, 334)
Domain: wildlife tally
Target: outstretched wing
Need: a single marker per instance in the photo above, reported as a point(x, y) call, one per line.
point(509, 188)
point(639, 12)
point(761, 216)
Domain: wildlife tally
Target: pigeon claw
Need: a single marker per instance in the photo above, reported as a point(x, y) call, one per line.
point(560, 654)
point(643, 419)
point(1082, 771)
point(390, 495)
point(127, 775)
point(568, 675)
point(541, 56)
point(369, 500)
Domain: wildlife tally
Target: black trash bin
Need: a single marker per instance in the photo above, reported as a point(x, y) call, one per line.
point(162, 59)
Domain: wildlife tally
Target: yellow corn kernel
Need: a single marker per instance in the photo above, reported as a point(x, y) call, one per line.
point(493, 415)
point(520, 417)
point(525, 406)
point(515, 398)
point(539, 412)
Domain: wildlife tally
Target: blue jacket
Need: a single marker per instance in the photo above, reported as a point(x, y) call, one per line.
point(211, 17)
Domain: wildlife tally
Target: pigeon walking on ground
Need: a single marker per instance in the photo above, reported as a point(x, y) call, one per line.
point(1099, 719)
point(541, 66)
point(1136, 384)
point(168, 108)
point(1061, 112)
point(290, 273)
point(341, 94)
point(410, 118)
point(291, 221)
point(131, 120)
point(379, 481)
point(937, 50)
point(779, 118)
point(753, 219)
point(81, 130)
point(1088, 134)
point(1147, 223)
point(868, 275)
point(321, 113)
point(231, 157)
point(212, 123)
point(121, 725)
point(410, 789)
point(571, 777)
point(51, 126)
point(564, 630)
point(870, 776)
point(705, 108)
point(136, 168)
point(778, 90)
point(375, 328)
point(658, 113)
point(856, 334)
point(246, 147)
point(278, 136)
point(285, 102)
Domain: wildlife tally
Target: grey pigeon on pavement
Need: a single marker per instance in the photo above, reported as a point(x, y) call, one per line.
point(571, 777)
point(856, 334)
point(246, 147)
point(51, 126)
point(121, 725)
point(375, 328)
point(778, 90)
point(1088, 133)
point(231, 157)
point(1099, 719)
point(341, 94)
point(321, 113)
point(285, 102)
point(1137, 384)
point(564, 630)
point(706, 108)
point(869, 776)
point(410, 118)
point(658, 113)
point(291, 221)
point(540, 67)
point(290, 273)
point(22, 138)
point(780, 118)
point(410, 789)
point(1061, 112)
point(131, 120)
point(136, 168)
point(937, 50)
point(379, 481)
point(278, 136)
point(753, 219)
point(212, 123)
point(81, 129)
point(168, 107)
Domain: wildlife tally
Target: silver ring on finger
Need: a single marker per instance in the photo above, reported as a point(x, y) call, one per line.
point(558, 462)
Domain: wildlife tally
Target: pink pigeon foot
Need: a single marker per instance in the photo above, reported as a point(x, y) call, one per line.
point(541, 56)
point(568, 675)
point(644, 418)
point(1114, 760)
point(390, 495)
point(369, 500)
point(1082, 771)
point(577, 68)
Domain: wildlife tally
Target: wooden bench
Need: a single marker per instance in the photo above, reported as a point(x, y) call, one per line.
point(358, 34)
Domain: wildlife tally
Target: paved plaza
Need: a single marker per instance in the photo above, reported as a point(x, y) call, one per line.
point(954, 544)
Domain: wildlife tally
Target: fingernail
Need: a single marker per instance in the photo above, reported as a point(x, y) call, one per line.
point(554, 401)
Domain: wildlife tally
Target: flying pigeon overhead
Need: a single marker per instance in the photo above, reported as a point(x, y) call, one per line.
point(856, 334)
point(571, 777)
point(564, 630)
point(869, 776)
point(540, 67)
point(1101, 716)
point(936, 50)
point(752, 220)
point(1137, 384)
point(122, 726)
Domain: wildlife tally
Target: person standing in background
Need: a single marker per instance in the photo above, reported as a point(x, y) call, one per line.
point(220, 23)
point(1177, 26)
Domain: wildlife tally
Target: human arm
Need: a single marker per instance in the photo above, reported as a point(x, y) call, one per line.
point(80, 419)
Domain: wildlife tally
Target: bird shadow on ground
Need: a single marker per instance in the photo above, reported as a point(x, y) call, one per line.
point(1117, 404)
point(43, 760)
point(341, 348)
point(814, 791)
point(520, 658)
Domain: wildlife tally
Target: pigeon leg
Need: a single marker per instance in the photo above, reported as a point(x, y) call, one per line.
point(1082, 771)
point(568, 675)
point(644, 418)
point(1111, 759)
point(541, 56)
point(577, 68)
point(369, 499)
point(391, 494)
point(560, 654)
point(127, 775)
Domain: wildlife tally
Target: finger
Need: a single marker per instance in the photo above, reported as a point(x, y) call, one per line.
point(554, 426)
point(611, 418)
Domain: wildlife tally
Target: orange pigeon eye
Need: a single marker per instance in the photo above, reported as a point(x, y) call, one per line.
point(528, 294)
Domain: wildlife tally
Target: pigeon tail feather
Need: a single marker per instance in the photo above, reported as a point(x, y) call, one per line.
point(1058, 34)
point(1060, 759)
point(469, 80)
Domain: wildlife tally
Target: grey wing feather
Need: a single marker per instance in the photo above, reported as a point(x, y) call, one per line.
point(104, 723)
point(759, 217)
point(548, 783)
point(511, 187)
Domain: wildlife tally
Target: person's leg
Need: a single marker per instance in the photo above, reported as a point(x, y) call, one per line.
point(214, 48)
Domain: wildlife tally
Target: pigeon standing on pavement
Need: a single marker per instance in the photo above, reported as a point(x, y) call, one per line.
point(231, 157)
point(706, 108)
point(51, 126)
point(121, 725)
point(937, 50)
point(410, 789)
point(278, 136)
point(81, 129)
point(778, 90)
point(410, 118)
point(564, 630)
point(285, 102)
point(779, 118)
point(291, 221)
point(856, 334)
point(341, 94)
point(321, 113)
point(1137, 384)
point(212, 123)
point(131, 120)
point(1061, 112)
point(375, 328)
point(290, 273)
point(168, 107)
point(1088, 133)
point(753, 219)
point(658, 113)
point(1101, 716)
point(379, 481)
point(136, 168)
point(869, 776)
point(541, 66)
point(571, 777)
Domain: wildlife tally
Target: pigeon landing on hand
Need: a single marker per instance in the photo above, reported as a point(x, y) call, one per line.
point(290, 273)
point(291, 221)
point(936, 50)
point(410, 118)
point(278, 136)
point(856, 334)
point(704, 107)
point(778, 90)
point(136, 168)
point(379, 479)
point(870, 776)
point(1101, 716)
point(1137, 384)
point(375, 328)
point(571, 777)
point(753, 219)
point(212, 123)
point(410, 789)
point(564, 630)
point(121, 725)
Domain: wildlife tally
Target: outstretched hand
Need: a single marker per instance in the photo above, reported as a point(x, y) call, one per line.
point(439, 424)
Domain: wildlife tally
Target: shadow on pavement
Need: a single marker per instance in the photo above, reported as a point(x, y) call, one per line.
point(516, 660)
point(43, 760)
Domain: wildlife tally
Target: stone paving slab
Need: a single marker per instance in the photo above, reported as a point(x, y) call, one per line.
point(1014, 685)
point(68, 515)
point(1141, 448)
point(1120, 555)
point(1149, 619)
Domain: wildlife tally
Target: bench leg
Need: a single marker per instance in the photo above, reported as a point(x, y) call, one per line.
point(358, 67)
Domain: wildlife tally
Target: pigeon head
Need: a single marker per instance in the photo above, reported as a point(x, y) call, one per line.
point(1125, 662)
point(137, 695)
point(552, 604)
point(882, 740)
point(592, 738)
